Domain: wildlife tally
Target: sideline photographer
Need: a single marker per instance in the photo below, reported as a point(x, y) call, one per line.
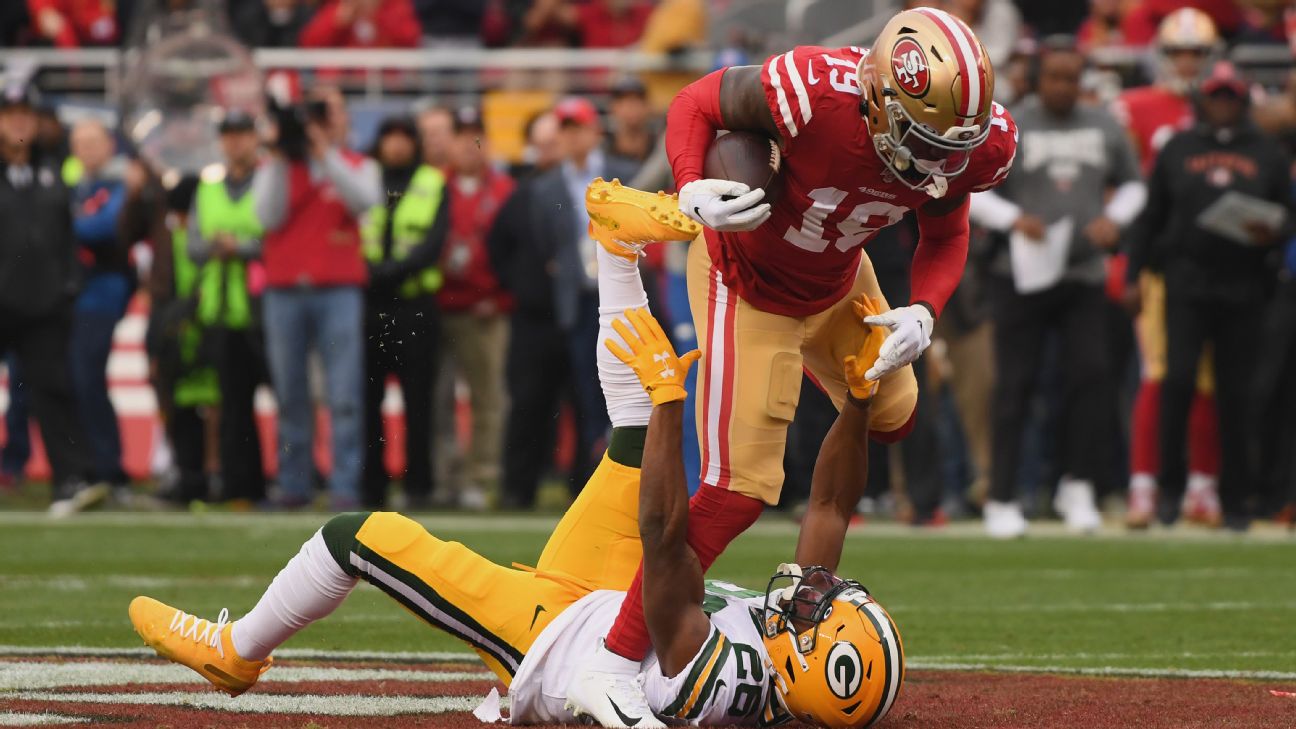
point(309, 197)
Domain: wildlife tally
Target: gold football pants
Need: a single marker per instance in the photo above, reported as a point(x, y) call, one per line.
point(499, 611)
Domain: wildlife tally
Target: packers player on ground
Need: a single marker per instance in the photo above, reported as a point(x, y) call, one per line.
point(866, 136)
point(812, 646)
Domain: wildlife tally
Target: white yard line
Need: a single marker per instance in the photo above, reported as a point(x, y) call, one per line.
point(254, 703)
point(1113, 671)
point(971, 662)
point(10, 718)
point(302, 654)
point(27, 675)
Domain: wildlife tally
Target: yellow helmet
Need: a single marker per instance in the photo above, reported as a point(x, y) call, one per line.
point(837, 657)
point(927, 87)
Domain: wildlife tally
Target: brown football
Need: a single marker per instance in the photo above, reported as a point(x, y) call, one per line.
point(747, 157)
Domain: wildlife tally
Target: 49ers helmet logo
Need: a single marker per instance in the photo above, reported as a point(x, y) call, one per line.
point(909, 64)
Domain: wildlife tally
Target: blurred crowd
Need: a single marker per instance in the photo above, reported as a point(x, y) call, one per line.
point(1146, 373)
point(363, 23)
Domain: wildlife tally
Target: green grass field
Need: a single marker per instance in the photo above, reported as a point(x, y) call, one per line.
point(1162, 602)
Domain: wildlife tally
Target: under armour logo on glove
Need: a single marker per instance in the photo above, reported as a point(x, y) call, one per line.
point(665, 358)
point(651, 356)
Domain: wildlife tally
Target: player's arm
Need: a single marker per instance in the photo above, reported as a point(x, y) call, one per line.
point(1144, 234)
point(937, 267)
point(841, 468)
point(732, 99)
point(672, 575)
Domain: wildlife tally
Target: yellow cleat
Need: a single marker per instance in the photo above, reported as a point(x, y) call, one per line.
point(199, 644)
point(623, 220)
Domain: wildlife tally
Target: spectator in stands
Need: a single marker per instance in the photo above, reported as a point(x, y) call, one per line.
point(98, 194)
point(1072, 159)
point(475, 307)
point(225, 241)
point(75, 23)
point(269, 23)
point(537, 369)
point(37, 285)
point(362, 24)
point(403, 237)
point(451, 23)
point(997, 24)
point(436, 134)
point(631, 135)
point(556, 218)
point(595, 23)
point(1262, 22)
point(1143, 20)
point(310, 210)
point(1216, 286)
point(1102, 28)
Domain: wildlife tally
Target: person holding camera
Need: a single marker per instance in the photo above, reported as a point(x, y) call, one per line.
point(309, 198)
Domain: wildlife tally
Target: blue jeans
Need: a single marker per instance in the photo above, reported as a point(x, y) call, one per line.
point(17, 447)
point(88, 351)
point(331, 320)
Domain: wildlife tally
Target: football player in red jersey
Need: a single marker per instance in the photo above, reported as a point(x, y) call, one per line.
point(1187, 43)
point(866, 136)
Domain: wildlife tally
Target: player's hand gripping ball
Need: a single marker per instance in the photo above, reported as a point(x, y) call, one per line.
point(652, 357)
point(858, 365)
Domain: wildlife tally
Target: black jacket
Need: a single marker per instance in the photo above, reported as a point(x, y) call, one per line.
point(525, 270)
point(1192, 171)
point(38, 269)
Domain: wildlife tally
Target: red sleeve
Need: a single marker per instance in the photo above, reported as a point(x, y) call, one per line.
point(67, 37)
point(323, 31)
point(399, 25)
point(691, 126)
point(939, 257)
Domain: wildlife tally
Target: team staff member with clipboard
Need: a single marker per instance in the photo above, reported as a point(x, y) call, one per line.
point(1216, 285)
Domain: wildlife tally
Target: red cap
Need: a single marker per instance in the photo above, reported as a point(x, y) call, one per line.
point(575, 110)
point(1224, 76)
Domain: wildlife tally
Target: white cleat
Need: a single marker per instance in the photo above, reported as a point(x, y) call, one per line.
point(612, 698)
point(1075, 502)
point(1004, 520)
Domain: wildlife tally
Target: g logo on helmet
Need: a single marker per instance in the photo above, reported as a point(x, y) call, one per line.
point(909, 66)
point(844, 670)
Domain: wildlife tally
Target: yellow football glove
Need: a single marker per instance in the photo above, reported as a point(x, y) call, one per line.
point(652, 357)
point(862, 388)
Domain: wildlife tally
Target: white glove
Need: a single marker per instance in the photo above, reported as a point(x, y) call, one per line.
point(911, 328)
point(704, 201)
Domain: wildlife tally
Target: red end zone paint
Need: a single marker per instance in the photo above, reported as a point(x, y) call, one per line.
point(929, 700)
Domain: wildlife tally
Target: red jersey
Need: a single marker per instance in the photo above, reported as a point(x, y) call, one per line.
point(1152, 114)
point(837, 192)
point(465, 263)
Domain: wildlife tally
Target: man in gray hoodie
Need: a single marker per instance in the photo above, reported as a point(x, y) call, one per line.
point(1070, 158)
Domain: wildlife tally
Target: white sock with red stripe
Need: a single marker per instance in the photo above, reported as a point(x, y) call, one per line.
point(308, 588)
point(620, 288)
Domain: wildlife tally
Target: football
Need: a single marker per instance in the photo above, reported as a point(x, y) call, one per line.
point(747, 157)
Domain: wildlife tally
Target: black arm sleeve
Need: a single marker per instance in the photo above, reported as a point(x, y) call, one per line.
point(1147, 227)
